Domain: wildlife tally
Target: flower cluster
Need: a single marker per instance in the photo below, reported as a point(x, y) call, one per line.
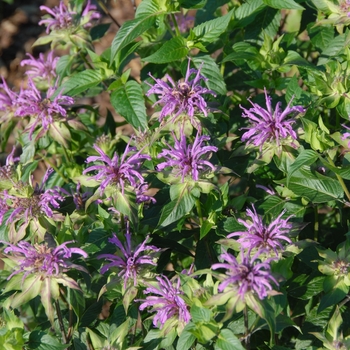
point(62, 17)
point(251, 275)
point(117, 171)
point(166, 301)
point(44, 111)
point(181, 97)
point(43, 68)
point(268, 125)
point(41, 259)
point(187, 159)
point(260, 235)
point(130, 262)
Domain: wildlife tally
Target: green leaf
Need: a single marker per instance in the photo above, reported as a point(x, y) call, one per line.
point(175, 210)
point(227, 341)
point(193, 4)
point(209, 31)
point(284, 4)
point(49, 291)
point(306, 157)
point(125, 204)
point(130, 30)
point(81, 82)
point(77, 301)
point(186, 338)
point(99, 31)
point(315, 187)
point(30, 289)
point(40, 340)
point(128, 101)
point(173, 50)
point(211, 71)
point(200, 314)
point(338, 293)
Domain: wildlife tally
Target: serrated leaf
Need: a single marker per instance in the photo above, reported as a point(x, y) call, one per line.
point(284, 4)
point(81, 82)
point(227, 341)
point(315, 187)
point(186, 338)
point(130, 30)
point(211, 71)
point(125, 204)
point(128, 101)
point(209, 31)
point(39, 340)
point(30, 289)
point(306, 157)
point(200, 314)
point(338, 293)
point(172, 50)
point(175, 210)
point(99, 31)
point(77, 301)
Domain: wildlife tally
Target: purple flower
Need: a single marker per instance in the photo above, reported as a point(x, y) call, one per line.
point(166, 302)
point(181, 97)
point(184, 22)
point(4, 208)
point(117, 171)
point(268, 125)
point(346, 135)
point(141, 194)
point(7, 97)
point(33, 202)
point(131, 261)
point(249, 276)
point(41, 259)
point(42, 68)
point(187, 159)
point(64, 18)
point(43, 111)
point(259, 235)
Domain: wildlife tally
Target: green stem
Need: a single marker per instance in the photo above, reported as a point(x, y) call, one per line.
point(54, 167)
point(246, 327)
point(106, 11)
point(60, 321)
point(199, 211)
point(177, 30)
point(316, 225)
point(341, 181)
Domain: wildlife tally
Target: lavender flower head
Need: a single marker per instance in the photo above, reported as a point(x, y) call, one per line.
point(346, 135)
point(259, 235)
point(117, 171)
point(63, 18)
point(43, 111)
point(187, 159)
point(6, 97)
point(41, 259)
point(181, 97)
point(41, 68)
point(268, 125)
point(249, 276)
point(183, 22)
point(166, 302)
point(33, 202)
point(130, 262)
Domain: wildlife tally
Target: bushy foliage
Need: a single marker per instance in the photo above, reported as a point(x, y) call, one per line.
point(218, 219)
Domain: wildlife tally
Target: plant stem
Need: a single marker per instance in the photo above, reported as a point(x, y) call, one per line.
point(199, 211)
point(54, 167)
point(175, 25)
point(246, 327)
point(106, 11)
point(316, 225)
point(340, 179)
point(60, 321)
